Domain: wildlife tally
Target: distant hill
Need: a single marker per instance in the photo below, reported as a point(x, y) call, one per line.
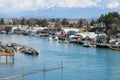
point(55, 12)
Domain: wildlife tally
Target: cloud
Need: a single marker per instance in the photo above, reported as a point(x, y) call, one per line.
point(77, 3)
point(113, 5)
point(20, 5)
point(2, 2)
point(13, 5)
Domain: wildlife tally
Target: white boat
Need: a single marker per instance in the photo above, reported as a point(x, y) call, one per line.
point(64, 41)
point(53, 38)
point(86, 44)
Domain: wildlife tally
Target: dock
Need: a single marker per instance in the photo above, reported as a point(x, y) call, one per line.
point(2, 54)
point(6, 54)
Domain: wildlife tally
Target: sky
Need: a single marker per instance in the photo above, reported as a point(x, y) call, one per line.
point(41, 6)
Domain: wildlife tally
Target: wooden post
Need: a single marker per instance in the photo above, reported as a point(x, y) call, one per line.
point(22, 73)
point(6, 59)
point(44, 70)
point(13, 59)
point(62, 67)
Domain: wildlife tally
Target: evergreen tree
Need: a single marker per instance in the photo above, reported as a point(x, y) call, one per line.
point(65, 23)
point(2, 22)
point(23, 21)
point(93, 22)
point(44, 22)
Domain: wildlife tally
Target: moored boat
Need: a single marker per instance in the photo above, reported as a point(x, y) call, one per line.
point(86, 44)
point(115, 47)
point(101, 45)
point(29, 51)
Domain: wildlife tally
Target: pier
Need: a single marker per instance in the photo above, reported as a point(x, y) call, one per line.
point(2, 54)
point(6, 54)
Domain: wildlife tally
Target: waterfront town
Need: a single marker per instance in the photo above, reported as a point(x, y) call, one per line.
point(103, 32)
point(59, 39)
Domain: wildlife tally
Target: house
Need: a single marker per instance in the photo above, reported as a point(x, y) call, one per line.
point(91, 35)
point(69, 31)
point(101, 38)
point(2, 28)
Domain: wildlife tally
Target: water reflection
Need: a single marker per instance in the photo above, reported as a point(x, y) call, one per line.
point(2, 64)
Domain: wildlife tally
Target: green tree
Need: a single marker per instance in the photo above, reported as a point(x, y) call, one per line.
point(111, 21)
point(44, 22)
point(93, 22)
point(65, 22)
point(72, 25)
point(2, 22)
point(23, 21)
point(37, 21)
point(80, 23)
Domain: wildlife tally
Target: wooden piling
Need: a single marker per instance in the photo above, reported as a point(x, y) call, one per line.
point(23, 73)
point(26, 74)
point(6, 59)
point(44, 70)
point(62, 65)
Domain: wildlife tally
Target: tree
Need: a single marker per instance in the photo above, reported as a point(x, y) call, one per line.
point(72, 25)
point(37, 21)
point(2, 22)
point(44, 22)
point(111, 20)
point(93, 22)
point(65, 23)
point(58, 24)
point(23, 21)
point(31, 21)
point(80, 23)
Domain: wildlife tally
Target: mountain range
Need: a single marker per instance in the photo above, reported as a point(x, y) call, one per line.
point(56, 12)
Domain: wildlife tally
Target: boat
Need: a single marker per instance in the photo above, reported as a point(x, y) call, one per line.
point(101, 45)
point(28, 51)
point(115, 47)
point(64, 41)
point(53, 38)
point(31, 52)
point(86, 44)
point(92, 44)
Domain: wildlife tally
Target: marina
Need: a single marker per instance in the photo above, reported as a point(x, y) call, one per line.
point(79, 62)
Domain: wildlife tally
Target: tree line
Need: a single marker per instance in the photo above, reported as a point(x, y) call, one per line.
point(111, 21)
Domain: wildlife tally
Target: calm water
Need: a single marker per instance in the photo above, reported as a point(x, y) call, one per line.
point(80, 63)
